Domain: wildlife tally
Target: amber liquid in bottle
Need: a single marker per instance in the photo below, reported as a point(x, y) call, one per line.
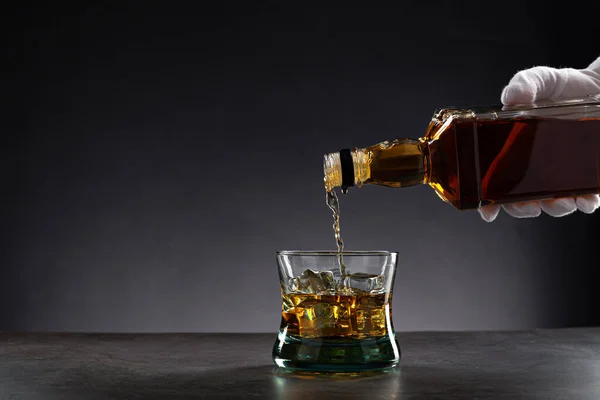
point(518, 160)
point(473, 158)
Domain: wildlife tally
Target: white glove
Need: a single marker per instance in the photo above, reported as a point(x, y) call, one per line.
point(546, 83)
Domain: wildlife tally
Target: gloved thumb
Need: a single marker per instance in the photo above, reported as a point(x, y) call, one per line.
point(547, 83)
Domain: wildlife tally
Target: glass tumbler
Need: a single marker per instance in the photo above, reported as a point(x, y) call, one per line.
point(334, 322)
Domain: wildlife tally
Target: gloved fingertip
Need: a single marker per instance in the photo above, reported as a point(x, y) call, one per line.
point(528, 209)
point(595, 66)
point(559, 207)
point(518, 93)
point(588, 203)
point(489, 213)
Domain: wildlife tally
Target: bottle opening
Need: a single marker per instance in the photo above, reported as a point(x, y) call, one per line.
point(332, 167)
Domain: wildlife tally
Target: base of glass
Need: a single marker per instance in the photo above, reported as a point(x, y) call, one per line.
point(336, 354)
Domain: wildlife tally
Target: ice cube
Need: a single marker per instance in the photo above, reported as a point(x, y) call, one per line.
point(314, 282)
point(369, 283)
point(317, 318)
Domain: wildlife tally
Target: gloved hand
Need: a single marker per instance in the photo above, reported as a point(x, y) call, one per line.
point(546, 83)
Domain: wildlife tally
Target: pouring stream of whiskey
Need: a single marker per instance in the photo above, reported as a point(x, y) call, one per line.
point(334, 204)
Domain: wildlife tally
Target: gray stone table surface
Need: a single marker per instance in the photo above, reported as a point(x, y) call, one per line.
point(540, 364)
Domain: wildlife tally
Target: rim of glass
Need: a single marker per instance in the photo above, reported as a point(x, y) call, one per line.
point(335, 253)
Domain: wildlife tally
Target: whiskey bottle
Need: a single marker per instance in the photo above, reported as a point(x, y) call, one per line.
point(473, 157)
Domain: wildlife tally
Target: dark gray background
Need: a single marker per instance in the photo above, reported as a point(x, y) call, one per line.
point(155, 157)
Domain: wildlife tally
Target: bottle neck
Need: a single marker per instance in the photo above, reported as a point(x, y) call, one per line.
point(398, 163)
